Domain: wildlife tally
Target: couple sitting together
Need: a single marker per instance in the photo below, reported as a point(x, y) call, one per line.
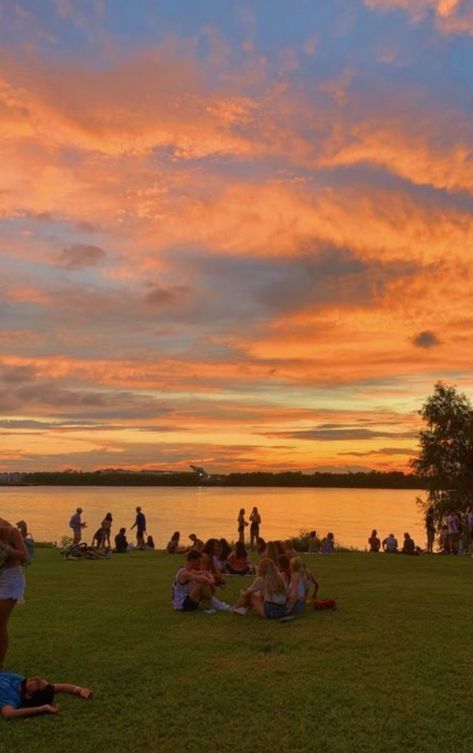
point(271, 595)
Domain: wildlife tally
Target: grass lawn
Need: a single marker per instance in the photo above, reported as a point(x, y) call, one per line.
point(390, 668)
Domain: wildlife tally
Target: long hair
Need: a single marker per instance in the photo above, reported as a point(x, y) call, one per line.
point(284, 566)
point(240, 551)
point(298, 570)
point(209, 547)
point(273, 579)
point(225, 549)
point(271, 552)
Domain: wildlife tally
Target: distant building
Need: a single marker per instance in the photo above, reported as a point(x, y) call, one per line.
point(201, 472)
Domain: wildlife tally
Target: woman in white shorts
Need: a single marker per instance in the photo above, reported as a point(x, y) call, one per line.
point(12, 583)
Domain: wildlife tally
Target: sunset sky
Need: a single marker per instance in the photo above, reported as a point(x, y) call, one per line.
point(237, 234)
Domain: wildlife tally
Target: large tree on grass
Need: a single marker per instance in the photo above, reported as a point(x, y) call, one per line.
point(446, 450)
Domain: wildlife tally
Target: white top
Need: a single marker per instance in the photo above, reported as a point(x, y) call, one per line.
point(180, 590)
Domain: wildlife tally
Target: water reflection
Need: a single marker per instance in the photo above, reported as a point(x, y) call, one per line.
point(350, 513)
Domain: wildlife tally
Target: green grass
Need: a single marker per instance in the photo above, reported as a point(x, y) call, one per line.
point(391, 667)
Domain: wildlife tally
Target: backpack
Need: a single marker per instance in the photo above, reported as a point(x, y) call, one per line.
point(325, 604)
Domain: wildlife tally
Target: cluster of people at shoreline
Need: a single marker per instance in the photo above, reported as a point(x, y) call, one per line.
point(279, 591)
point(101, 539)
point(22, 696)
point(390, 544)
point(455, 537)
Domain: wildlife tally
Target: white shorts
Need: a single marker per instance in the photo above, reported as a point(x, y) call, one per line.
point(12, 583)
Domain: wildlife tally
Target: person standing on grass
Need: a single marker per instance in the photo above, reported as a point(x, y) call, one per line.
point(193, 585)
point(255, 522)
point(242, 523)
point(27, 540)
point(453, 529)
point(77, 526)
point(140, 525)
point(430, 530)
point(106, 530)
point(28, 696)
point(13, 555)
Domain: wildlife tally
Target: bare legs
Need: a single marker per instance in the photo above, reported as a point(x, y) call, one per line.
point(201, 592)
point(6, 608)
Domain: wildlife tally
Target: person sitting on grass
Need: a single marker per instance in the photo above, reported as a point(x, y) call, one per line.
point(121, 543)
point(196, 543)
point(273, 550)
point(222, 552)
point(298, 587)
point(267, 594)
point(408, 545)
point(209, 553)
point(193, 585)
point(172, 546)
point(374, 541)
point(285, 569)
point(311, 580)
point(289, 549)
point(260, 546)
point(238, 562)
point(313, 542)
point(390, 544)
point(328, 544)
point(26, 696)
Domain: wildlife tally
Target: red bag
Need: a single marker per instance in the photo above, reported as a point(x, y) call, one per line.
point(325, 603)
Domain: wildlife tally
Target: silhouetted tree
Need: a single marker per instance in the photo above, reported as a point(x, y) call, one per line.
point(446, 450)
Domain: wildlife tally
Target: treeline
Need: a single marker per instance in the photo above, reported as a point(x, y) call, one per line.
point(370, 480)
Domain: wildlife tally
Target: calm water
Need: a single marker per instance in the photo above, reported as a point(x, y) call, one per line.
point(350, 513)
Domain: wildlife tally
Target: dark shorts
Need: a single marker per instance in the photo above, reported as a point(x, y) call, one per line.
point(189, 605)
point(298, 608)
point(274, 611)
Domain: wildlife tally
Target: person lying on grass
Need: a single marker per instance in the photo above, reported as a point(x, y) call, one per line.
point(27, 696)
point(193, 585)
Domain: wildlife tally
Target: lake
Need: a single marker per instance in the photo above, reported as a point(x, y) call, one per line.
point(212, 511)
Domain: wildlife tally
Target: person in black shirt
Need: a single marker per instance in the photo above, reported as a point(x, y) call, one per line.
point(140, 525)
point(121, 544)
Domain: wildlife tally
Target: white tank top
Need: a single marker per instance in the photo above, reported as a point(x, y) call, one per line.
point(180, 590)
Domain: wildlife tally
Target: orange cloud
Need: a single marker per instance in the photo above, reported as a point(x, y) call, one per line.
point(451, 16)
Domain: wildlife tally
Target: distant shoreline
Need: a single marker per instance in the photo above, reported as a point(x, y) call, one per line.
point(371, 480)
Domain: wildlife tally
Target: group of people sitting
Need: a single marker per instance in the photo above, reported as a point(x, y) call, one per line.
point(390, 544)
point(279, 591)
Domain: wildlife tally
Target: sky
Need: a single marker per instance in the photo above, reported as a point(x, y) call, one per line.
point(235, 234)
